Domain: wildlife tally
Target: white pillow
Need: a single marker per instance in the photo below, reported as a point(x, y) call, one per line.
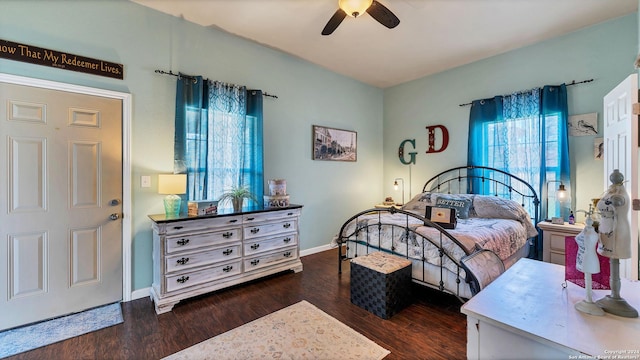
point(420, 202)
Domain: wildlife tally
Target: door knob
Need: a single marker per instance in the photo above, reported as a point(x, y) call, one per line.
point(114, 216)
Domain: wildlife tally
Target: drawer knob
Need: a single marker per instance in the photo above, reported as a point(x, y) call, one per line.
point(228, 268)
point(227, 252)
point(289, 214)
point(227, 235)
point(182, 279)
point(287, 240)
point(233, 220)
point(255, 246)
point(255, 230)
point(182, 261)
point(287, 254)
point(182, 242)
point(177, 227)
point(255, 262)
point(286, 226)
point(249, 219)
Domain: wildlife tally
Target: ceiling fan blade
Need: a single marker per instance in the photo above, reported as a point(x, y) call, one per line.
point(333, 23)
point(383, 15)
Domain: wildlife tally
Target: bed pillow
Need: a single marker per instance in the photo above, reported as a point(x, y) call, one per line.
point(494, 207)
point(420, 202)
point(461, 204)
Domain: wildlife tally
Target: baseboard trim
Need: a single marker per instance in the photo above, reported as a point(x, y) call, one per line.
point(141, 293)
point(316, 250)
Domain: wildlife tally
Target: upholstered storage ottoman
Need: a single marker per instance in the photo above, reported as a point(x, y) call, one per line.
point(381, 283)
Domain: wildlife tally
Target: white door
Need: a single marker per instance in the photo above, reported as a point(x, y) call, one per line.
point(621, 152)
point(60, 203)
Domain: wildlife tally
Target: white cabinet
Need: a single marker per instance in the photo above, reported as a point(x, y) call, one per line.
point(553, 239)
point(196, 255)
point(527, 314)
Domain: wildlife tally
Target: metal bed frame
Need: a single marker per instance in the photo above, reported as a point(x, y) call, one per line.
point(459, 180)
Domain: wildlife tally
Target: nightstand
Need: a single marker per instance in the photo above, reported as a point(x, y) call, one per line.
point(553, 238)
point(385, 206)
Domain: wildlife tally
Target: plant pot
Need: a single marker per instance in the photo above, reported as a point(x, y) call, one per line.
point(237, 204)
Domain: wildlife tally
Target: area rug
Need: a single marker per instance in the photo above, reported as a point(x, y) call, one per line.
point(299, 331)
point(33, 336)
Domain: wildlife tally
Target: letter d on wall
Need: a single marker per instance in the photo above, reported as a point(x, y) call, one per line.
point(432, 138)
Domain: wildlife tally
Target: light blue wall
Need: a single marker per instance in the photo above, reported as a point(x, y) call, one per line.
point(604, 52)
point(145, 40)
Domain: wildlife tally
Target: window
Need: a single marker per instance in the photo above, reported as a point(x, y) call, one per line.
point(525, 134)
point(219, 139)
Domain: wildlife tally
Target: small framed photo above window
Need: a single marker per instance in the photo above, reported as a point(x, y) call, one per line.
point(334, 144)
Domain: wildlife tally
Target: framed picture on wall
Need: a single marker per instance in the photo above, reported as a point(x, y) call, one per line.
point(334, 144)
point(598, 148)
point(584, 124)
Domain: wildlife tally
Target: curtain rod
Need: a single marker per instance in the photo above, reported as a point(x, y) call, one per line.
point(569, 84)
point(179, 76)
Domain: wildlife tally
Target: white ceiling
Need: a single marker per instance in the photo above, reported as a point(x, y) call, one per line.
point(433, 35)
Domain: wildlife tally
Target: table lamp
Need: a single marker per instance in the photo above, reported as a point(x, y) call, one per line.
point(562, 196)
point(395, 187)
point(172, 184)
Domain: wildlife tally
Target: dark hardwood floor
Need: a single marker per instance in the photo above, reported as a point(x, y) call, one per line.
point(431, 328)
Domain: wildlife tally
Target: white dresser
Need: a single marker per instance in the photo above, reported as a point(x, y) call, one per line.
point(527, 313)
point(196, 255)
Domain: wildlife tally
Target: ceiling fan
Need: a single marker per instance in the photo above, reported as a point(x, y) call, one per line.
point(355, 8)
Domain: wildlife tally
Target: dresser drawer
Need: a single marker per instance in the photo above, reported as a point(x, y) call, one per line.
point(259, 262)
point(556, 242)
point(196, 225)
point(557, 258)
point(271, 215)
point(202, 258)
point(279, 227)
point(256, 247)
point(194, 241)
point(187, 279)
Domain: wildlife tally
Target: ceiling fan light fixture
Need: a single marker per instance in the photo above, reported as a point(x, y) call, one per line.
point(354, 8)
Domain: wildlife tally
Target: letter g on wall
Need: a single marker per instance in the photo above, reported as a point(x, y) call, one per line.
point(412, 155)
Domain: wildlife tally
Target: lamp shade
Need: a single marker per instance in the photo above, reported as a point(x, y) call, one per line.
point(561, 193)
point(354, 8)
point(395, 187)
point(172, 184)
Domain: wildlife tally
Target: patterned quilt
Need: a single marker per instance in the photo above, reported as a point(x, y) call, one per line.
point(499, 225)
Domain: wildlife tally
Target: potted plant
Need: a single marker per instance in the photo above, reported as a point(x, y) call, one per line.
point(236, 195)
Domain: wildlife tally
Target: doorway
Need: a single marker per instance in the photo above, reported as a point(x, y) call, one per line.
point(66, 223)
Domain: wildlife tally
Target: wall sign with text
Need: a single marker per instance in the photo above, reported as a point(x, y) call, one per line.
point(61, 60)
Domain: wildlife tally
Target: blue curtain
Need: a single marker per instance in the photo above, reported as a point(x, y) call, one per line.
point(218, 141)
point(190, 119)
point(555, 113)
point(483, 112)
point(524, 134)
point(254, 159)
